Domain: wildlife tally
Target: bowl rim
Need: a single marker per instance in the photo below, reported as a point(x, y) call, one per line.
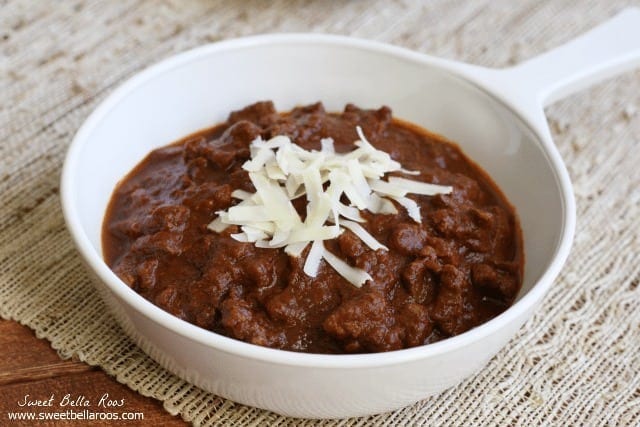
point(246, 350)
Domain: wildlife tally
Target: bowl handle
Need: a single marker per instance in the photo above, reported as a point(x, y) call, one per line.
point(609, 49)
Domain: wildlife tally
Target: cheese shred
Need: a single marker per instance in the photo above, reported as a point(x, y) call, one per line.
point(282, 171)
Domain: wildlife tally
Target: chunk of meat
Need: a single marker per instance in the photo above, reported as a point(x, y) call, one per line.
point(419, 279)
point(304, 125)
point(407, 238)
point(147, 274)
point(467, 192)
point(161, 242)
point(414, 318)
point(260, 113)
point(446, 250)
point(244, 322)
point(285, 307)
point(171, 218)
point(230, 148)
point(495, 282)
point(350, 245)
point(373, 122)
point(449, 308)
point(303, 299)
point(208, 197)
point(365, 323)
point(169, 300)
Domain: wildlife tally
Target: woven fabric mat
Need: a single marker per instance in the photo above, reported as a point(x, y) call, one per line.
point(576, 362)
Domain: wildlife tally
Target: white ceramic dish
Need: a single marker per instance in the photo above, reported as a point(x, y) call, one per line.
point(496, 116)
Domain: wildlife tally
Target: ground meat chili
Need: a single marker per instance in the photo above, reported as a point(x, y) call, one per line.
point(462, 266)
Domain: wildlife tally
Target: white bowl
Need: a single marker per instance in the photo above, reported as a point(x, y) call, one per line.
point(496, 123)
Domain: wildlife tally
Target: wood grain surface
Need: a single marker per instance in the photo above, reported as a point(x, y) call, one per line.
point(31, 370)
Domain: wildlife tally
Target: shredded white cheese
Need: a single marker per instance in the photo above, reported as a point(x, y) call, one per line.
point(282, 171)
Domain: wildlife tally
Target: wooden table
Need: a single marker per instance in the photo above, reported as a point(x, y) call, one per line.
point(29, 366)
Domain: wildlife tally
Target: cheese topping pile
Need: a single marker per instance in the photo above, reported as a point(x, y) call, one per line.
point(282, 171)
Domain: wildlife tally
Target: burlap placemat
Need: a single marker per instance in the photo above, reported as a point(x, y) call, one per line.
point(576, 362)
